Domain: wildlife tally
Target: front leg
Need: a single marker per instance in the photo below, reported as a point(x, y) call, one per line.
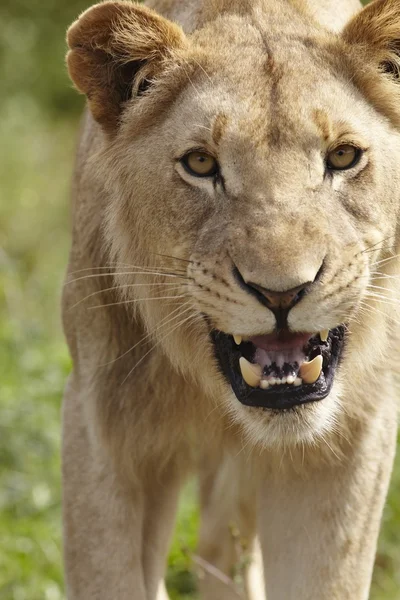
point(319, 525)
point(228, 491)
point(117, 526)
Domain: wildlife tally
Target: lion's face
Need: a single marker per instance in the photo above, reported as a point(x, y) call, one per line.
point(260, 185)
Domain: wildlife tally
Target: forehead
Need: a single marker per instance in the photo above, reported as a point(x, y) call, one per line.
point(270, 49)
point(265, 77)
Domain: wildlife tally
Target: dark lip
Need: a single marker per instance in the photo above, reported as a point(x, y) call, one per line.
point(280, 397)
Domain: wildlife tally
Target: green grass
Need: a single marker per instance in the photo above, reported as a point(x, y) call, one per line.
point(38, 131)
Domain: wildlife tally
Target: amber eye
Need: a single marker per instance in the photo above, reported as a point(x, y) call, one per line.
point(200, 164)
point(343, 157)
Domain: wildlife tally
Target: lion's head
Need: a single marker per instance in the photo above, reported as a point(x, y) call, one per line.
point(252, 171)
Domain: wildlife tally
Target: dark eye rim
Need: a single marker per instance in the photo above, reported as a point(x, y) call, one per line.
point(357, 157)
point(183, 160)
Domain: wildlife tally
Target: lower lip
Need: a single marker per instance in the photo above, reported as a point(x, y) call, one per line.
point(284, 399)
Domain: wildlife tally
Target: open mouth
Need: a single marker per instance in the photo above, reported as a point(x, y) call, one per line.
point(280, 370)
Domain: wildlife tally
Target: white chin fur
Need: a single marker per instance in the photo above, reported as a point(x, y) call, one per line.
point(307, 424)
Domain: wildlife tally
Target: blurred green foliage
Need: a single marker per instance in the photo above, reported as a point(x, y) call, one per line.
point(38, 125)
point(32, 50)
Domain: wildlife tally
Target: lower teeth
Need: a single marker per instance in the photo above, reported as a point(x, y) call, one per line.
point(309, 372)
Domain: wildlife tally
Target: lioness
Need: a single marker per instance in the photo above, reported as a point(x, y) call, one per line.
point(231, 293)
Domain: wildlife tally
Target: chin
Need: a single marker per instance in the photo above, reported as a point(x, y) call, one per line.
point(283, 387)
point(302, 426)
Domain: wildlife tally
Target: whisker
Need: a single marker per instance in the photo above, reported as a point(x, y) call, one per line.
point(366, 303)
point(191, 82)
point(176, 326)
point(378, 275)
point(173, 257)
point(163, 323)
point(323, 439)
point(202, 127)
point(383, 248)
point(110, 266)
point(168, 274)
point(374, 294)
point(379, 287)
point(374, 310)
point(161, 268)
point(214, 408)
point(207, 75)
point(386, 276)
point(385, 260)
point(103, 268)
point(125, 285)
point(376, 289)
point(371, 248)
point(384, 299)
point(137, 300)
point(375, 275)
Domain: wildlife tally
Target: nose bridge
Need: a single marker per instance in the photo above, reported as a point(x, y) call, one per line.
point(282, 256)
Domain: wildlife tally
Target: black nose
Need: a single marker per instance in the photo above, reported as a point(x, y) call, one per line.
point(280, 303)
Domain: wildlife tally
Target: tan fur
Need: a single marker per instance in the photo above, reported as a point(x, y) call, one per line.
point(104, 61)
point(268, 90)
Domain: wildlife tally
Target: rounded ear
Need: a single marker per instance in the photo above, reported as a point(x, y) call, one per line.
point(115, 48)
point(374, 37)
point(377, 28)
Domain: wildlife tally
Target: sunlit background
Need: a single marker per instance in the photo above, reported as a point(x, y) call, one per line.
point(39, 115)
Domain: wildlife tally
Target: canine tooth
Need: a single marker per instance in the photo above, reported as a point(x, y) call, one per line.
point(310, 371)
point(264, 384)
point(297, 382)
point(284, 380)
point(290, 379)
point(324, 335)
point(238, 339)
point(250, 373)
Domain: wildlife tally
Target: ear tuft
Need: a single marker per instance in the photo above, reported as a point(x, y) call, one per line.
point(115, 49)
